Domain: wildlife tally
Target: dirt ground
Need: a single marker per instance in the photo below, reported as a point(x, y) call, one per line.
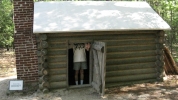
point(7, 63)
point(167, 90)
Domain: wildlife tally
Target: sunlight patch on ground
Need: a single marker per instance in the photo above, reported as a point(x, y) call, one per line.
point(10, 77)
point(7, 63)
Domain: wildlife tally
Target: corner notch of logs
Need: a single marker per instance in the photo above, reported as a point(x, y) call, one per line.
point(42, 45)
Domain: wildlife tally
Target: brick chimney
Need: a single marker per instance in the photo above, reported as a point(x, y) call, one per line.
point(25, 41)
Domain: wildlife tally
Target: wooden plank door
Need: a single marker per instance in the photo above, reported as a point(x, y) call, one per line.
point(99, 63)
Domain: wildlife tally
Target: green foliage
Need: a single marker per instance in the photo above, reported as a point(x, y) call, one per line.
point(168, 10)
point(6, 22)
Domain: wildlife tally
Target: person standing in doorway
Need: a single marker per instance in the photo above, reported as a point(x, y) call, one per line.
point(80, 63)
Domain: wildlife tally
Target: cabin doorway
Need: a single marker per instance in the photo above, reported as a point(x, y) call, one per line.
point(71, 71)
point(94, 75)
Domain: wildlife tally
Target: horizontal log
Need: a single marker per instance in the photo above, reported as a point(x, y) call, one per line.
point(131, 78)
point(79, 41)
point(109, 42)
point(111, 35)
point(44, 85)
point(130, 72)
point(41, 59)
point(160, 57)
point(159, 46)
point(39, 73)
point(160, 79)
point(57, 78)
point(64, 42)
point(41, 86)
point(44, 78)
point(57, 71)
point(129, 48)
point(42, 45)
point(114, 55)
point(159, 75)
point(41, 37)
point(42, 52)
point(57, 65)
point(159, 63)
point(57, 51)
point(39, 68)
point(43, 65)
point(130, 66)
point(131, 60)
point(142, 41)
point(43, 71)
point(108, 85)
point(113, 42)
point(159, 69)
point(58, 85)
point(159, 52)
point(160, 40)
point(161, 34)
point(58, 58)
point(45, 90)
point(59, 45)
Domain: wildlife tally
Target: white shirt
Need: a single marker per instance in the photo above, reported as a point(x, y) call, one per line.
point(79, 55)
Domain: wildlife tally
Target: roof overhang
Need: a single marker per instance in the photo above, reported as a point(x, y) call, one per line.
point(84, 16)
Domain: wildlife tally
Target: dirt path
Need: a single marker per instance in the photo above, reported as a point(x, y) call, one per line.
point(7, 63)
point(167, 90)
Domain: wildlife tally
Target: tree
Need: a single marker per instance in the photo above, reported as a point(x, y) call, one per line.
point(168, 10)
point(6, 23)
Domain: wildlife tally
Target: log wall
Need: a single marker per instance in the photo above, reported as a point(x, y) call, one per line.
point(132, 56)
point(43, 70)
point(57, 63)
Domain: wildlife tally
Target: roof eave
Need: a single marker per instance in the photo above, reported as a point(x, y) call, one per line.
point(38, 32)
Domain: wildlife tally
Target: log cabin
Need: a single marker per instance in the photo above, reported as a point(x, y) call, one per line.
point(126, 40)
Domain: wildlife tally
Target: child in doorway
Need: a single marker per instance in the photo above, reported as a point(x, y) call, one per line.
point(79, 60)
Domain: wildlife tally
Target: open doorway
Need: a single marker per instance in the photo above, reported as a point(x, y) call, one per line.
point(71, 71)
point(94, 75)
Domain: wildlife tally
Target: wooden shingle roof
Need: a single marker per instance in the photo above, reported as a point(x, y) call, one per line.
point(79, 16)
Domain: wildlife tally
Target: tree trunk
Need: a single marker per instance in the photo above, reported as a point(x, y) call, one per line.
point(7, 47)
